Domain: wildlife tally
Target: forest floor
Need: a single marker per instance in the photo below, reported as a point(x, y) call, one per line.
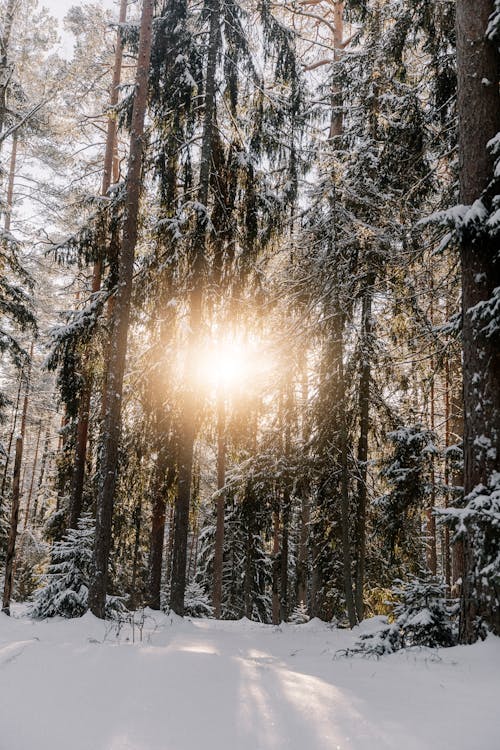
point(185, 685)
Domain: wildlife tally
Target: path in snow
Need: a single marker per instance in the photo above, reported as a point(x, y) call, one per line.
point(76, 685)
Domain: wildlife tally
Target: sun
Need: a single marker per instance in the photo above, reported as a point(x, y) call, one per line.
point(224, 364)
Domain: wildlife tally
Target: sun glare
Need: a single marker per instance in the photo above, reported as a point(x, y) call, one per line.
point(231, 365)
point(225, 364)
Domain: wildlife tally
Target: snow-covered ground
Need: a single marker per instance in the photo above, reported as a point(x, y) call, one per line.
point(203, 684)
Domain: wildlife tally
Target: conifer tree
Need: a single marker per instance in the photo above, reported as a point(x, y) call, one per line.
point(120, 323)
point(478, 104)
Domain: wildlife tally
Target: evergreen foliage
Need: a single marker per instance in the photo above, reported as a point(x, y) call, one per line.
point(64, 589)
point(291, 153)
point(299, 615)
point(422, 616)
point(197, 603)
point(478, 525)
point(407, 473)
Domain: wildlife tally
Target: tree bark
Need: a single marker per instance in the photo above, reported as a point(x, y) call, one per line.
point(11, 437)
point(41, 476)
point(219, 528)
point(276, 563)
point(14, 520)
point(345, 515)
point(76, 496)
point(10, 184)
point(137, 519)
point(33, 472)
point(478, 122)
point(286, 502)
point(364, 423)
point(114, 387)
point(163, 483)
point(305, 514)
point(5, 75)
point(190, 404)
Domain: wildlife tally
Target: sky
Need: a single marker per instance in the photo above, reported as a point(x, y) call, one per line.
point(59, 8)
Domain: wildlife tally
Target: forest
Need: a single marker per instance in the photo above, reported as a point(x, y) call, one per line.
point(250, 317)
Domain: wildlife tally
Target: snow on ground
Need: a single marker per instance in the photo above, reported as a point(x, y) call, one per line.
point(188, 685)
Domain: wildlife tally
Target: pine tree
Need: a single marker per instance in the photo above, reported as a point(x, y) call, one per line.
point(121, 313)
point(479, 102)
point(65, 586)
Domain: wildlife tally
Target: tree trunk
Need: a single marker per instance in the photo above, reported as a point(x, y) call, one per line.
point(5, 74)
point(219, 528)
point(302, 557)
point(11, 437)
point(431, 546)
point(284, 554)
point(478, 122)
point(364, 423)
point(76, 497)
point(10, 185)
point(190, 400)
point(114, 387)
point(137, 519)
point(33, 472)
point(276, 564)
point(346, 541)
point(286, 502)
point(447, 473)
point(41, 476)
point(164, 481)
point(170, 544)
point(14, 519)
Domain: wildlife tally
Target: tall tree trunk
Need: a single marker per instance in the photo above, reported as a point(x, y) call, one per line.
point(163, 483)
point(187, 433)
point(345, 514)
point(276, 562)
point(41, 476)
point(286, 502)
point(284, 555)
point(14, 519)
point(10, 184)
point(11, 436)
point(336, 131)
point(302, 556)
point(248, 583)
point(456, 428)
point(33, 472)
point(478, 122)
point(76, 496)
point(364, 423)
point(431, 547)
point(137, 518)
point(447, 473)
point(170, 544)
point(219, 527)
point(22, 435)
point(114, 387)
point(5, 73)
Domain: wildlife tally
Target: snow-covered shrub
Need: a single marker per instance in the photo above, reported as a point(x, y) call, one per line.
point(299, 615)
point(197, 602)
point(64, 588)
point(422, 617)
point(65, 585)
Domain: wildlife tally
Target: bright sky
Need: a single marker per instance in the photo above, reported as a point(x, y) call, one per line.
point(59, 8)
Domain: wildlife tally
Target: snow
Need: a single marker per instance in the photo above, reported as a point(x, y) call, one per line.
point(86, 685)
